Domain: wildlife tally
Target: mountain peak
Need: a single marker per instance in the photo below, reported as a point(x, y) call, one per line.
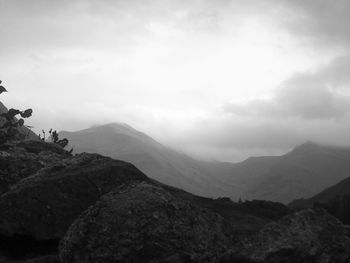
point(311, 147)
point(120, 125)
point(308, 147)
point(114, 125)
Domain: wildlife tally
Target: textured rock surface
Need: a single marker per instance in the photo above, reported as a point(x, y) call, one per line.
point(120, 215)
point(44, 205)
point(306, 236)
point(144, 223)
point(19, 160)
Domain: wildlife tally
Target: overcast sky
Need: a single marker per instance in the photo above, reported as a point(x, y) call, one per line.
point(219, 79)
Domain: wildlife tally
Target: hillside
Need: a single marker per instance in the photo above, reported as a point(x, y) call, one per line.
point(60, 208)
point(56, 207)
point(44, 190)
point(340, 189)
point(122, 142)
point(301, 173)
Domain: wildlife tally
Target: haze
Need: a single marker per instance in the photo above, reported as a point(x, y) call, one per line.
point(216, 79)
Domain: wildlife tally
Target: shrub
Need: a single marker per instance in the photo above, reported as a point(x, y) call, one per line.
point(55, 139)
point(10, 124)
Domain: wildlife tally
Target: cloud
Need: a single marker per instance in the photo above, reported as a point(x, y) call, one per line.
point(309, 106)
point(315, 95)
point(310, 98)
point(165, 66)
point(233, 138)
point(324, 21)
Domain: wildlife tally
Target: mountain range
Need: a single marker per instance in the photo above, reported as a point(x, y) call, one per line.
point(120, 141)
point(338, 190)
point(62, 208)
point(301, 173)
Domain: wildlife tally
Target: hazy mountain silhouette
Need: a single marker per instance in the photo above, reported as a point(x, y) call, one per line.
point(338, 190)
point(123, 142)
point(53, 204)
point(301, 173)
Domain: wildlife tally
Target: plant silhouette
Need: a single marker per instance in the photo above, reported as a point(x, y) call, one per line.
point(10, 124)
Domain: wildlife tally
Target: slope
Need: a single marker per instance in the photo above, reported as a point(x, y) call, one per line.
point(303, 172)
point(122, 142)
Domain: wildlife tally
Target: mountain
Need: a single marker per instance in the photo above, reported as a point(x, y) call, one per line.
point(303, 172)
point(335, 200)
point(336, 191)
point(120, 141)
point(248, 172)
point(64, 208)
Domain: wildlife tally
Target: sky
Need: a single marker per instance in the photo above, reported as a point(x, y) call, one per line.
point(217, 79)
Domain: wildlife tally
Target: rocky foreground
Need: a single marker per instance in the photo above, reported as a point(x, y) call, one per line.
point(56, 207)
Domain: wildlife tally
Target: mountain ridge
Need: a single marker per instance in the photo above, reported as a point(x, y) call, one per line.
point(160, 162)
point(300, 173)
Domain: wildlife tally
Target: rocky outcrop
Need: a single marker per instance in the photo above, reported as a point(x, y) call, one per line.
point(306, 236)
point(144, 223)
point(115, 213)
point(42, 206)
point(19, 160)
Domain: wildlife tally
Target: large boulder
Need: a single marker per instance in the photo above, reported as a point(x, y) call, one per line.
point(42, 206)
point(306, 236)
point(21, 159)
point(144, 223)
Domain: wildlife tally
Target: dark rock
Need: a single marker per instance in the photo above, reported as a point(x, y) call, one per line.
point(44, 205)
point(20, 247)
point(144, 223)
point(38, 146)
point(306, 236)
point(18, 160)
point(43, 259)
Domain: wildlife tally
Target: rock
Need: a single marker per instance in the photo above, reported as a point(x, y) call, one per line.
point(306, 236)
point(144, 223)
point(21, 159)
point(43, 259)
point(42, 206)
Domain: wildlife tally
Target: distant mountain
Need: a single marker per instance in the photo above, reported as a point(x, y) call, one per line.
point(120, 141)
point(303, 172)
point(247, 173)
point(336, 191)
point(334, 199)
